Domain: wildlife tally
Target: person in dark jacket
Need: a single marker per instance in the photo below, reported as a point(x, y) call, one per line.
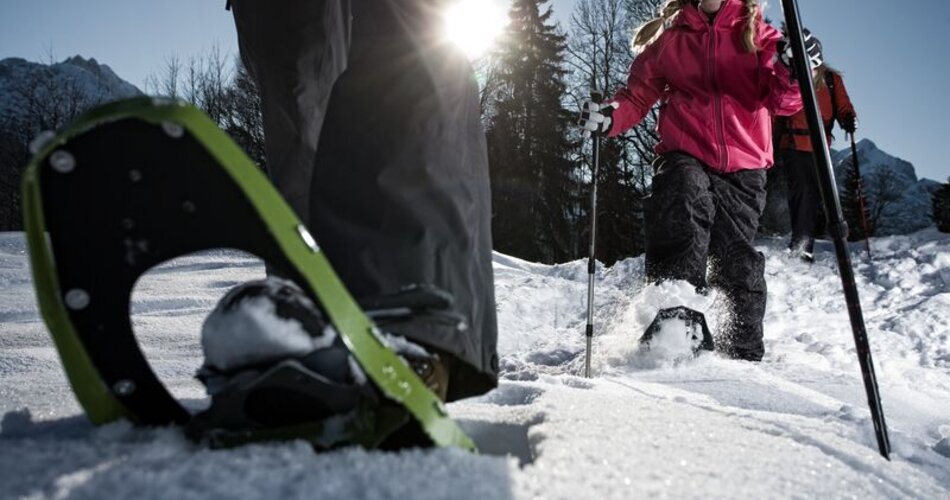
point(715, 73)
point(795, 152)
point(373, 136)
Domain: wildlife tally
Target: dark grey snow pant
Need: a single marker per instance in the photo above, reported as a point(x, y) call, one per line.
point(373, 136)
point(697, 217)
point(804, 194)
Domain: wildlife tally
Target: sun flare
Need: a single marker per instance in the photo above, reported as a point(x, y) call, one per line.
point(474, 25)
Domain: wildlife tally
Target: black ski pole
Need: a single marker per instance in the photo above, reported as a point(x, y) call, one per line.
point(836, 225)
point(597, 97)
point(860, 192)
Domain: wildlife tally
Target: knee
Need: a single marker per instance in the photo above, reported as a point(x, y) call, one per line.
point(740, 269)
point(679, 199)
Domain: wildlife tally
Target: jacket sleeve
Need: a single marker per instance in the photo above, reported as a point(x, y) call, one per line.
point(842, 99)
point(645, 86)
point(782, 95)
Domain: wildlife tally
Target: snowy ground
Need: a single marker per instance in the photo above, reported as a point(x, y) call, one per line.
point(795, 425)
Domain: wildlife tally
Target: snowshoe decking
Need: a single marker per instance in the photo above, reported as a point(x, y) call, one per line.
point(139, 182)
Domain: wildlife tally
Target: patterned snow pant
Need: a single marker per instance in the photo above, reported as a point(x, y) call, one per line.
point(804, 194)
point(699, 220)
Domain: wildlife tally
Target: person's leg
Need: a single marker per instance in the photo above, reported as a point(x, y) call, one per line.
point(400, 194)
point(737, 267)
point(679, 215)
point(294, 50)
point(804, 199)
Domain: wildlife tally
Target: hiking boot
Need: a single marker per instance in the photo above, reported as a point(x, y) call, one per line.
point(803, 248)
point(276, 368)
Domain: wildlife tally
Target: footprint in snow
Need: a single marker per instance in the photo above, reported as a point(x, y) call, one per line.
point(512, 395)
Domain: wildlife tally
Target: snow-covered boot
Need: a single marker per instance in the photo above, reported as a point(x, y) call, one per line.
point(803, 248)
point(275, 368)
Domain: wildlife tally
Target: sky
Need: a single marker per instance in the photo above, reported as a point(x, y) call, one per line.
point(893, 59)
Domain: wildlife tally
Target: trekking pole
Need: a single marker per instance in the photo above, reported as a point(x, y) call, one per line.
point(836, 224)
point(597, 97)
point(860, 190)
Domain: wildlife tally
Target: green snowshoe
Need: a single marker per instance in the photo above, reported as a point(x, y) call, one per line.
point(136, 183)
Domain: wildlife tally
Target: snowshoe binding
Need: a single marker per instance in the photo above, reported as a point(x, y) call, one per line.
point(276, 368)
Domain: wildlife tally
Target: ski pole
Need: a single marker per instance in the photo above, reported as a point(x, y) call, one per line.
point(836, 224)
point(597, 97)
point(860, 190)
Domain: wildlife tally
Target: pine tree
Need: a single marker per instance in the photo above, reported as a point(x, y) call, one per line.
point(941, 205)
point(245, 121)
point(534, 189)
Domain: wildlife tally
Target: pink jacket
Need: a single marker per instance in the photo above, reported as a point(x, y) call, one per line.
point(717, 99)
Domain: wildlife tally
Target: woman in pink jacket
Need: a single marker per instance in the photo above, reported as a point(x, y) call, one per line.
point(715, 72)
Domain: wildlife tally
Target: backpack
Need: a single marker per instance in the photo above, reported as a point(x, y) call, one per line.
point(830, 83)
point(781, 126)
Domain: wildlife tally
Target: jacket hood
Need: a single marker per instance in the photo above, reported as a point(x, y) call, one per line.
point(730, 13)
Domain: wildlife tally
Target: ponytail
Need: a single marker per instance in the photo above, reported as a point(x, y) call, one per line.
point(824, 73)
point(649, 32)
point(751, 26)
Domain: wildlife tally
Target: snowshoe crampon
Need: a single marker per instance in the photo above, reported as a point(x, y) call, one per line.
point(136, 183)
point(678, 328)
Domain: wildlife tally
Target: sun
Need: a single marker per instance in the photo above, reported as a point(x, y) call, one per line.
point(474, 25)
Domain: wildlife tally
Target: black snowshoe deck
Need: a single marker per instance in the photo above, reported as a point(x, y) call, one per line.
point(696, 331)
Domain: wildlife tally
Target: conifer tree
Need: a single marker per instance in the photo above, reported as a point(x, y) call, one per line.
point(941, 205)
point(851, 204)
point(534, 188)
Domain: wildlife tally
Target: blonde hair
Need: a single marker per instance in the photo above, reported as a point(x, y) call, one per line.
point(823, 73)
point(651, 30)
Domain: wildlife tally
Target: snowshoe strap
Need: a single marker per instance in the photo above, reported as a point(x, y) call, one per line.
point(284, 400)
point(414, 298)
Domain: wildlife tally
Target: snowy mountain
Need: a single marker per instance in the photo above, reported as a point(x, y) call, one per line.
point(75, 78)
point(36, 97)
point(887, 177)
point(795, 425)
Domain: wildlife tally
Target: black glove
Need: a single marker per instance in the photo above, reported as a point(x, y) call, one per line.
point(596, 118)
point(812, 48)
point(849, 123)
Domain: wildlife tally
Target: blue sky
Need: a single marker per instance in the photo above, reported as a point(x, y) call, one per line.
point(893, 54)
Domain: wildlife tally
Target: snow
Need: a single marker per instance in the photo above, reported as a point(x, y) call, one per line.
point(252, 333)
point(646, 426)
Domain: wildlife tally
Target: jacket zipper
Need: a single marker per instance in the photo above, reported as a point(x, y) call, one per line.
point(717, 100)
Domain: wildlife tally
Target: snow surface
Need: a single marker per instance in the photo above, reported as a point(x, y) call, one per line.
point(793, 426)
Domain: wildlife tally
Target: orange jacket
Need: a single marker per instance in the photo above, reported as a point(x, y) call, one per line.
point(793, 132)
